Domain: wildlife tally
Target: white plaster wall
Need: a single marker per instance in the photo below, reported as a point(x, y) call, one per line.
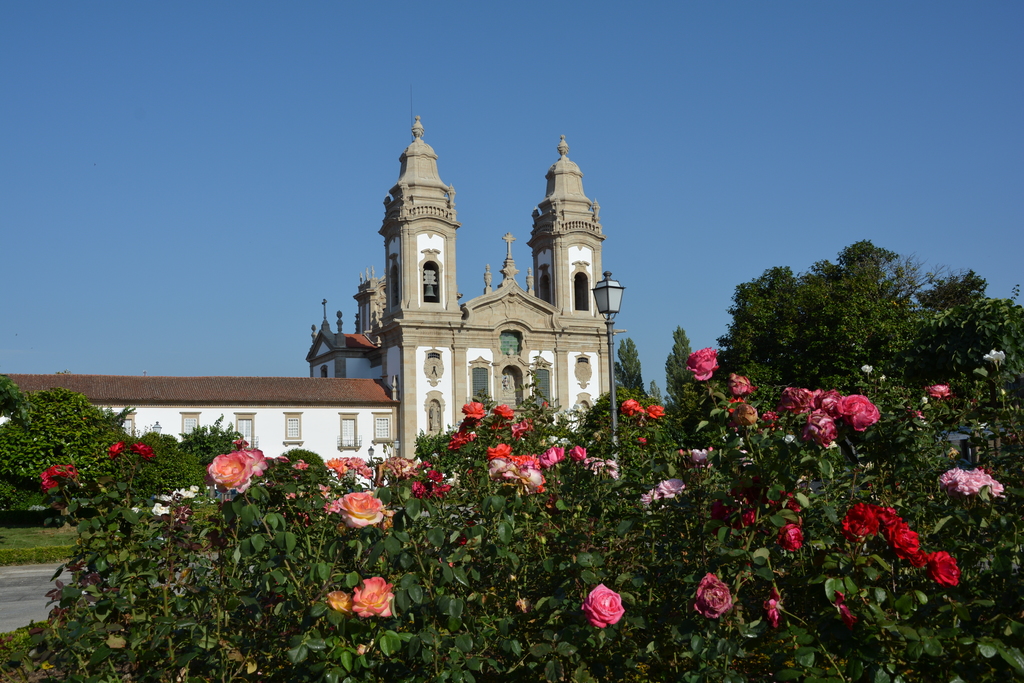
point(581, 254)
point(394, 364)
point(320, 426)
point(428, 241)
point(593, 386)
point(445, 385)
point(359, 368)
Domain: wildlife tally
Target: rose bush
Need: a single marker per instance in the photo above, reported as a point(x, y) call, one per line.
point(764, 557)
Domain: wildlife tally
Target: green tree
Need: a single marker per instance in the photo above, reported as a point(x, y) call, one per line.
point(952, 289)
point(678, 379)
point(627, 369)
point(208, 441)
point(818, 328)
point(654, 391)
point(13, 403)
point(63, 428)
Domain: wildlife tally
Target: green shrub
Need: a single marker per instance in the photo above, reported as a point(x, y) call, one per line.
point(208, 441)
point(171, 467)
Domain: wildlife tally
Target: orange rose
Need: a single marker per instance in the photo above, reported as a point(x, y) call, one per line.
point(360, 509)
point(230, 471)
point(474, 410)
point(373, 598)
point(340, 601)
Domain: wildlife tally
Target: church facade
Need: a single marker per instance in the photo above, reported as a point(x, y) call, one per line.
point(511, 344)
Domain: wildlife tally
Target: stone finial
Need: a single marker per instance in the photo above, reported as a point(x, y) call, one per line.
point(312, 331)
point(451, 197)
point(597, 211)
point(487, 279)
point(563, 147)
point(417, 129)
point(339, 321)
point(324, 303)
point(529, 280)
point(508, 269)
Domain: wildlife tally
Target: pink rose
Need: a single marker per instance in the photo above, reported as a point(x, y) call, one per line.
point(259, 463)
point(858, 411)
point(372, 598)
point(939, 391)
point(702, 363)
point(578, 453)
point(552, 456)
point(740, 386)
point(791, 537)
point(713, 597)
point(360, 509)
point(301, 465)
point(699, 457)
point(795, 400)
point(230, 471)
point(666, 489)
point(520, 429)
point(827, 401)
point(771, 606)
point(820, 428)
point(603, 607)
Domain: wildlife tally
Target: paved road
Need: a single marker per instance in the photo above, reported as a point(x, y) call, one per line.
point(23, 592)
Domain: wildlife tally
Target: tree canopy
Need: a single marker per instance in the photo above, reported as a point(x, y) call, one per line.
point(820, 327)
point(628, 373)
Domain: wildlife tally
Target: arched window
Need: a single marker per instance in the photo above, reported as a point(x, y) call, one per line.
point(581, 292)
point(396, 289)
point(545, 287)
point(431, 283)
point(323, 370)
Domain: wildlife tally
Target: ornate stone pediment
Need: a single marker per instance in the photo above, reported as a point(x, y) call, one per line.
point(509, 304)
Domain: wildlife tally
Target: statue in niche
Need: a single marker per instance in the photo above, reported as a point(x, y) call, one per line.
point(434, 417)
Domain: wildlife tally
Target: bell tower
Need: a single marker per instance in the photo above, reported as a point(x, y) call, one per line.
point(566, 240)
point(419, 238)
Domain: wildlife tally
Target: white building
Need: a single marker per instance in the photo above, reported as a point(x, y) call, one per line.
point(329, 416)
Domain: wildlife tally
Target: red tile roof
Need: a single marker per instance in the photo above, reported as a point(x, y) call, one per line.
point(359, 341)
point(125, 390)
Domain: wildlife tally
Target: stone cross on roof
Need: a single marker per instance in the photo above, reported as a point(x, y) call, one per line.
point(509, 269)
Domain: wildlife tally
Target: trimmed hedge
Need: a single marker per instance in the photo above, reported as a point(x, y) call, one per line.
point(41, 555)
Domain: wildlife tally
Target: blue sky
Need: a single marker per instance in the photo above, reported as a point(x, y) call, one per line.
point(182, 183)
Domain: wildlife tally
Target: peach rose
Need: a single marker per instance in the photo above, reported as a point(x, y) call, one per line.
point(230, 471)
point(340, 601)
point(360, 509)
point(372, 598)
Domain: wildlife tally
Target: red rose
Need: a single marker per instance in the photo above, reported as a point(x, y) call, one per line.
point(795, 400)
point(502, 450)
point(434, 475)
point(860, 521)
point(116, 449)
point(474, 410)
point(791, 537)
point(902, 539)
point(740, 386)
point(844, 612)
point(858, 411)
point(51, 474)
point(942, 568)
point(631, 407)
point(419, 490)
point(460, 439)
point(655, 412)
point(939, 391)
point(504, 411)
point(703, 363)
point(821, 428)
point(142, 449)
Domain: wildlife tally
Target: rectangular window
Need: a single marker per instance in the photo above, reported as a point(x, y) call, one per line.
point(129, 424)
point(382, 428)
point(349, 439)
point(292, 426)
point(481, 385)
point(244, 426)
point(543, 382)
point(189, 422)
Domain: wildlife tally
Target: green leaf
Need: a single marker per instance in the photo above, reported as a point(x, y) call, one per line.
point(540, 650)
point(258, 542)
point(505, 532)
point(390, 643)
point(436, 536)
point(298, 654)
point(624, 527)
point(413, 508)
point(1013, 657)
point(352, 579)
point(986, 650)
point(286, 541)
point(464, 642)
point(788, 675)
point(553, 671)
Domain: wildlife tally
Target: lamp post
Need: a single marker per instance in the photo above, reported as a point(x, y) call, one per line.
point(608, 295)
point(157, 428)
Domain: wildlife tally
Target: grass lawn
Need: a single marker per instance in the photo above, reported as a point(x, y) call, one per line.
point(36, 536)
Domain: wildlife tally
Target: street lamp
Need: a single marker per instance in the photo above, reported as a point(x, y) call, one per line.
point(370, 451)
point(608, 295)
point(157, 428)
